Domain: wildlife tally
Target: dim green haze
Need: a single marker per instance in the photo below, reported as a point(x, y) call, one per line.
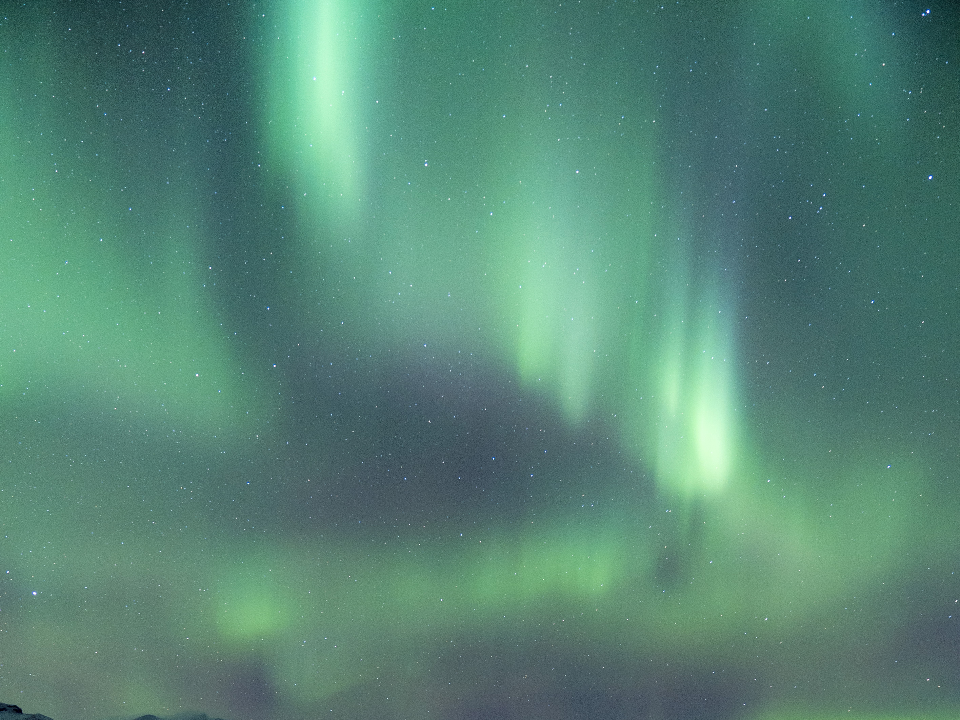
point(482, 360)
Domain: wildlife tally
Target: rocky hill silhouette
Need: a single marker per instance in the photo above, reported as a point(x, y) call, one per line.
point(13, 712)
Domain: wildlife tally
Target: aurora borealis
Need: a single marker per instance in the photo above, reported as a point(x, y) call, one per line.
point(488, 360)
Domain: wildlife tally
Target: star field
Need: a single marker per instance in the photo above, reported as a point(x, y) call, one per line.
point(485, 360)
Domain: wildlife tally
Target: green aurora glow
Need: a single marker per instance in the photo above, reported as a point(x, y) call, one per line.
point(524, 360)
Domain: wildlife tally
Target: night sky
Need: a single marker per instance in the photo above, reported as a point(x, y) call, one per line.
point(489, 360)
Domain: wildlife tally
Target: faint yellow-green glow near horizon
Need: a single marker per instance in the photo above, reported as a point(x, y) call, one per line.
point(351, 603)
point(813, 713)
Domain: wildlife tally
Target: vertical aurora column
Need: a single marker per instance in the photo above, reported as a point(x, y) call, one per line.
point(314, 113)
point(467, 205)
point(615, 309)
point(687, 417)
